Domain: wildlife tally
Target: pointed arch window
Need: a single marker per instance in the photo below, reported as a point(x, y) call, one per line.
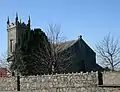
point(11, 45)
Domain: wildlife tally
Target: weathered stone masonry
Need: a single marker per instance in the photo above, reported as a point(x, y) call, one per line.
point(50, 82)
point(74, 82)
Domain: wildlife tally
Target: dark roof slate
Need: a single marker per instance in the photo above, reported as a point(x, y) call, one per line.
point(64, 45)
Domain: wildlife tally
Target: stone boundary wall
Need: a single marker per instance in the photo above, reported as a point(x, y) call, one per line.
point(111, 78)
point(72, 82)
point(8, 83)
point(59, 82)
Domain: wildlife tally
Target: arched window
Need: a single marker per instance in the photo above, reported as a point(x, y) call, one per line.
point(11, 45)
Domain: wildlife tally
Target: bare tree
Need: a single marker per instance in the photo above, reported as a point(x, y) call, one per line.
point(109, 52)
point(52, 55)
point(4, 63)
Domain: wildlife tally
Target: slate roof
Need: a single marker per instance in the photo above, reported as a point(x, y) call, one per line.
point(98, 67)
point(64, 45)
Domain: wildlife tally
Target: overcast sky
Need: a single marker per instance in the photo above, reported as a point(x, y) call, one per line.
point(93, 19)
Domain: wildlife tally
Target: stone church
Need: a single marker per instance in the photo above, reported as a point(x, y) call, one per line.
point(84, 57)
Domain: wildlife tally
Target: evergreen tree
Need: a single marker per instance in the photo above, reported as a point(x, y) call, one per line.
point(25, 62)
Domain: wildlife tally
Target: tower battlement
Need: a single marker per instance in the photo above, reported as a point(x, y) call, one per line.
point(11, 25)
point(23, 25)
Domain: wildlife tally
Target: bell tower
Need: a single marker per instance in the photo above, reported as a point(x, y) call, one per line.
point(15, 32)
point(12, 31)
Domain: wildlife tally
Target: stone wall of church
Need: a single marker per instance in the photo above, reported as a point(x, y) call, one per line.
point(11, 38)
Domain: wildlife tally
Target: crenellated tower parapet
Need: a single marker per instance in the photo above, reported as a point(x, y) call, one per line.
point(10, 26)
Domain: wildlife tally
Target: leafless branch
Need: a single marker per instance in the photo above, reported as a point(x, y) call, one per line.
point(3, 61)
point(109, 51)
point(51, 54)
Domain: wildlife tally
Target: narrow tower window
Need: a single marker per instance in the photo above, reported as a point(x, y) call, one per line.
point(11, 45)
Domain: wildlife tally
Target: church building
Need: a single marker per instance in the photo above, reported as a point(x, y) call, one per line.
point(84, 58)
